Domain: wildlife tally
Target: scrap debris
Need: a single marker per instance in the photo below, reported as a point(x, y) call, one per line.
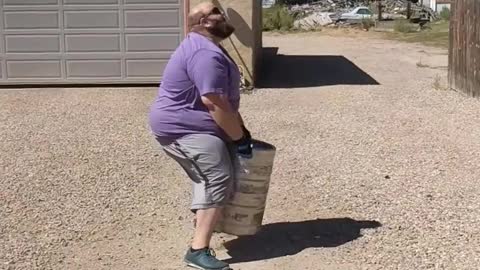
point(328, 12)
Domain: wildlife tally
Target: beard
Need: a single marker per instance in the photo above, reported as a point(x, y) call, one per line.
point(221, 30)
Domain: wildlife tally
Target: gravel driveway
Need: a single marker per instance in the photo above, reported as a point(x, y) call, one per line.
point(377, 167)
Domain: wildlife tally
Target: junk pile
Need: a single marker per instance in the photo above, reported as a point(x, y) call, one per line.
point(314, 20)
point(401, 6)
point(335, 12)
point(329, 6)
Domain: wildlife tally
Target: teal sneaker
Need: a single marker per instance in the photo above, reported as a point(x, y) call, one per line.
point(204, 259)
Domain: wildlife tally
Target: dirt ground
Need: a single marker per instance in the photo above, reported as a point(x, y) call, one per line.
point(377, 168)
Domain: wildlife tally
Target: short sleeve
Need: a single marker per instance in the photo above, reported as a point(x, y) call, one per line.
point(209, 72)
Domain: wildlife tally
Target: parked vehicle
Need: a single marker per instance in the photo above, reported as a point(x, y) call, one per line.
point(268, 3)
point(358, 13)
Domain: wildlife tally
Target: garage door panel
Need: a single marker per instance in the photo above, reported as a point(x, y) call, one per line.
point(96, 56)
point(92, 43)
point(151, 1)
point(32, 43)
point(152, 30)
point(152, 18)
point(33, 56)
point(148, 55)
point(151, 42)
point(34, 69)
point(87, 41)
point(145, 68)
point(29, 2)
point(90, 2)
point(92, 19)
point(93, 68)
point(31, 19)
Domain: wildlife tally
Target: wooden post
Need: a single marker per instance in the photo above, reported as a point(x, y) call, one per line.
point(409, 9)
point(380, 10)
point(464, 54)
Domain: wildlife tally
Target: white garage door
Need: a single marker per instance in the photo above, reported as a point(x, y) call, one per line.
point(87, 41)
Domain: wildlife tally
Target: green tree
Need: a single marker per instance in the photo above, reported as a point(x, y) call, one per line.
point(445, 14)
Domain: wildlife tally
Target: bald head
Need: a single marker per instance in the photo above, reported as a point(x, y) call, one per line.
point(204, 7)
point(208, 20)
point(198, 12)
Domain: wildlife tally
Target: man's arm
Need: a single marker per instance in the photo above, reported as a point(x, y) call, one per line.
point(221, 111)
point(240, 119)
point(246, 132)
point(209, 72)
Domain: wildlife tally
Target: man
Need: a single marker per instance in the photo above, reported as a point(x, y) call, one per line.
point(196, 120)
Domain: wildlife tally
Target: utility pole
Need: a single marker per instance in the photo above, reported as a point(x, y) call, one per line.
point(409, 9)
point(379, 2)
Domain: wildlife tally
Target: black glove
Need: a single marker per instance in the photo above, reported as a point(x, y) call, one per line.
point(244, 146)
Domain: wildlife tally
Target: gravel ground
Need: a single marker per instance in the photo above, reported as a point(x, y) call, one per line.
point(366, 176)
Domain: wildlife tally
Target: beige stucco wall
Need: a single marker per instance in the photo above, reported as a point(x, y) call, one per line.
point(245, 45)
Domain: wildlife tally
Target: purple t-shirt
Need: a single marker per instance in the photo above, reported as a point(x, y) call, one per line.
point(196, 68)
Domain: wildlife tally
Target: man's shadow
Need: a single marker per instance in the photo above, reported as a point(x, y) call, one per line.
point(289, 238)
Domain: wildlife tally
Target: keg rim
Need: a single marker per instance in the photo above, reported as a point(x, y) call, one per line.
point(261, 145)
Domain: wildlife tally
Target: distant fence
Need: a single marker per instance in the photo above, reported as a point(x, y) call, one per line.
point(464, 56)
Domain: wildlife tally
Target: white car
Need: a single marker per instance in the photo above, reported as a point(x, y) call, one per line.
point(268, 3)
point(358, 13)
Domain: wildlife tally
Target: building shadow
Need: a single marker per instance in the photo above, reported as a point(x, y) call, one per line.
point(243, 32)
point(289, 238)
point(297, 71)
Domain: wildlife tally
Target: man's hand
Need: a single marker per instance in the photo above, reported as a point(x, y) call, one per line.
point(244, 147)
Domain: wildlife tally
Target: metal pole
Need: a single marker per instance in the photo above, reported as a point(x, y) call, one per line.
point(409, 10)
point(379, 10)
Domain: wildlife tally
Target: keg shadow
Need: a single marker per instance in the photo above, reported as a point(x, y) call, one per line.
point(289, 238)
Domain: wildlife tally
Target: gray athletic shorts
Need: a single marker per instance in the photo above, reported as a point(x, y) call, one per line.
point(208, 161)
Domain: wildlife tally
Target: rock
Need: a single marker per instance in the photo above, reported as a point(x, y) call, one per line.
point(314, 21)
